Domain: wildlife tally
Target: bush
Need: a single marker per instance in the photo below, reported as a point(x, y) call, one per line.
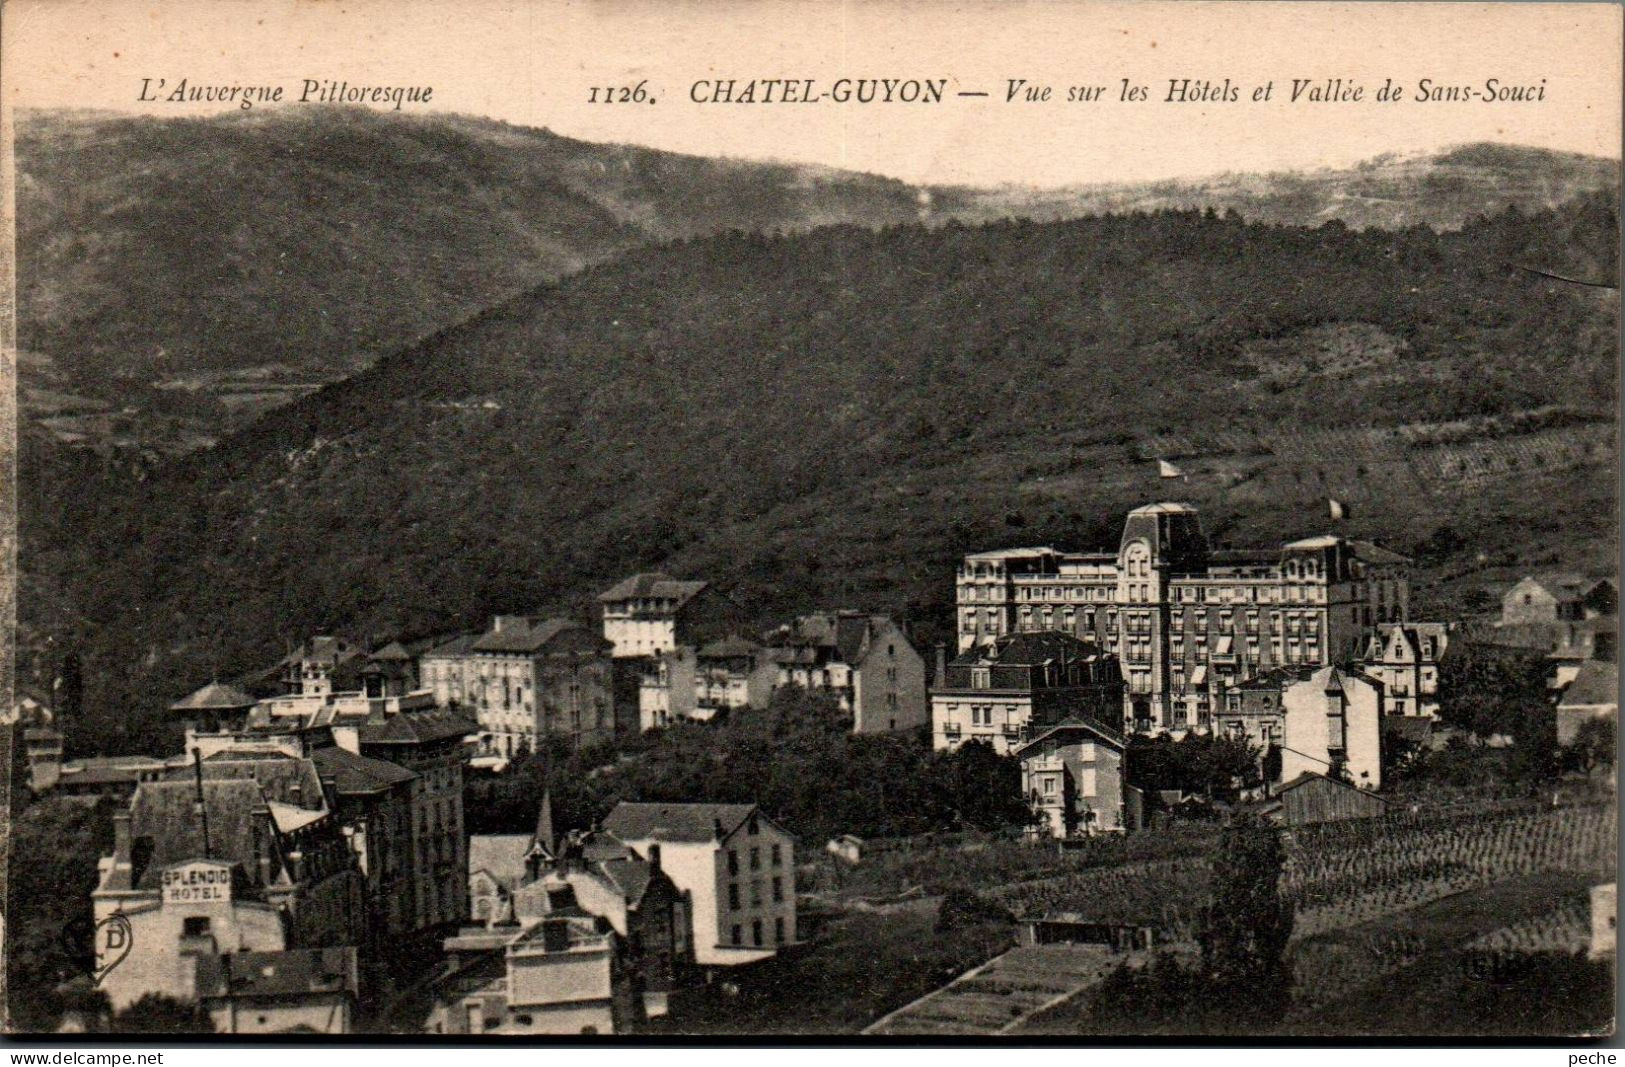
point(962, 907)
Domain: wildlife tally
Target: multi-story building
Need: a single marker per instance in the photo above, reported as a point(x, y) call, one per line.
point(1254, 711)
point(1072, 776)
point(700, 684)
point(1009, 689)
point(299, 990)
point(563, 971)
point(418, 887)
point(211, 868)
point(866, 662)
point(373, 801)
point(642, 904)
point(648, 614)
point(1184, 620)
point(431, 743)
point(1404, 657)
point(1333, 726)
point(737, 866)
point(732, 674)
point(527, 678)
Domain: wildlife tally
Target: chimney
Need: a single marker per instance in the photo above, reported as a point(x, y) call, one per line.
point(654, 856)
point(716, 828)
point(942, 665)
point(121, 836)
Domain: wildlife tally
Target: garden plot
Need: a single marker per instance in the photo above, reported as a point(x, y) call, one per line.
point(1001, 993)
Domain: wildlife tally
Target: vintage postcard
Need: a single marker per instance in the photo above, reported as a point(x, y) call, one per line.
point(905, 521)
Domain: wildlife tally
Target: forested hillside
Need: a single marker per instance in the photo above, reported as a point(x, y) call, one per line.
point(830, 419)
point(178, 277)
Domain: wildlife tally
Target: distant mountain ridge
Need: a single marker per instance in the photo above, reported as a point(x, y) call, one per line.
point(177, 277)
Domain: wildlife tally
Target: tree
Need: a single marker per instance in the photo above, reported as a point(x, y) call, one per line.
point(48, 921)
point(155, 1013)
point(1593, 745)
point(1246, 924)
point(1490, 689)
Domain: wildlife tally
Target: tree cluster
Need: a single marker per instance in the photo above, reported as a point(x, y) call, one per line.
point(797, 758)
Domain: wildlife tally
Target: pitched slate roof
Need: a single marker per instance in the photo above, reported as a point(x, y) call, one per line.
point(1031, 649)
point(1105, 733)
point(652, 585)
point(214, 697)
point(1417, 729)
point(354, 774)
point(418, 727)
point(629, 875)
point(394, 652)
point(1596, 685)
point(285, 778)
point(523, 635)
point(730, 648)
point(164, 814)
point(845, 634)
point(502, 856)
point(293, 972)
point(675, 822)
point(455, 646)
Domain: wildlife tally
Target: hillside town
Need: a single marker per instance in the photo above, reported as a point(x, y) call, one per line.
point(303, 861)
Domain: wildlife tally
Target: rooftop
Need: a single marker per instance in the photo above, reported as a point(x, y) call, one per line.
point(652, 586)
point(215, 696)
point(676, 822)
point(1596, 685)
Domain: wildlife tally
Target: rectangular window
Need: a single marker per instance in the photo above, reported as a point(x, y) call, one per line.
point(778, 889)
point(778, 856)
point(738, 937)
point(778, 930)
point(756, 894)
point(755, 859)
point(756, 933)
point(733, 895)
point(733, 862)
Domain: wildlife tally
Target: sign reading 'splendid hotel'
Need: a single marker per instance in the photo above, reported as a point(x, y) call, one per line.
point(200, 882)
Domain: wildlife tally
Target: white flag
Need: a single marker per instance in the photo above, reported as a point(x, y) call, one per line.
point(1168, 470)
point(1338, 510)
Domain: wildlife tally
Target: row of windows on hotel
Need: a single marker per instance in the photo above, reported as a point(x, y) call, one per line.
point(735, 901)
point(756, 933)
point(1263, 593)
point(776, 854)
point(1141, 568)
point(1135, 622)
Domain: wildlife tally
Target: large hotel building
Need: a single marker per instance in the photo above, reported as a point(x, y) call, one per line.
point(1186, 621)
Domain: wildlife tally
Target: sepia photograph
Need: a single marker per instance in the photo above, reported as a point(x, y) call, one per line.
point(907, 523)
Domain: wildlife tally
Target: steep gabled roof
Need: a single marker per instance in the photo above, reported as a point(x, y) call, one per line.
point(523, 635)
point(418, 727)
point(289, 973)
point(1371, 552)
point(165, 815)
point(1088, 726)
point(1596, 685)
point(652, 585)
point(354, 774)
point(729, 648)
point(281, 777)
point(215, 696)
point(394, 652)
point(502, 856)
point(676, 822)
point(455, 646)
point(1031, 649)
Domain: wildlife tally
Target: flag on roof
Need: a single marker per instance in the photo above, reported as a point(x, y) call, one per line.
point(1168, 470)
point(1338, 509)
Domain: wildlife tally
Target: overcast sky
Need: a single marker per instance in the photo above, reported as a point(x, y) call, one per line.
point(534, 64)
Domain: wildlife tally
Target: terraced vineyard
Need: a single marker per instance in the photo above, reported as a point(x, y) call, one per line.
point(1344, 874)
